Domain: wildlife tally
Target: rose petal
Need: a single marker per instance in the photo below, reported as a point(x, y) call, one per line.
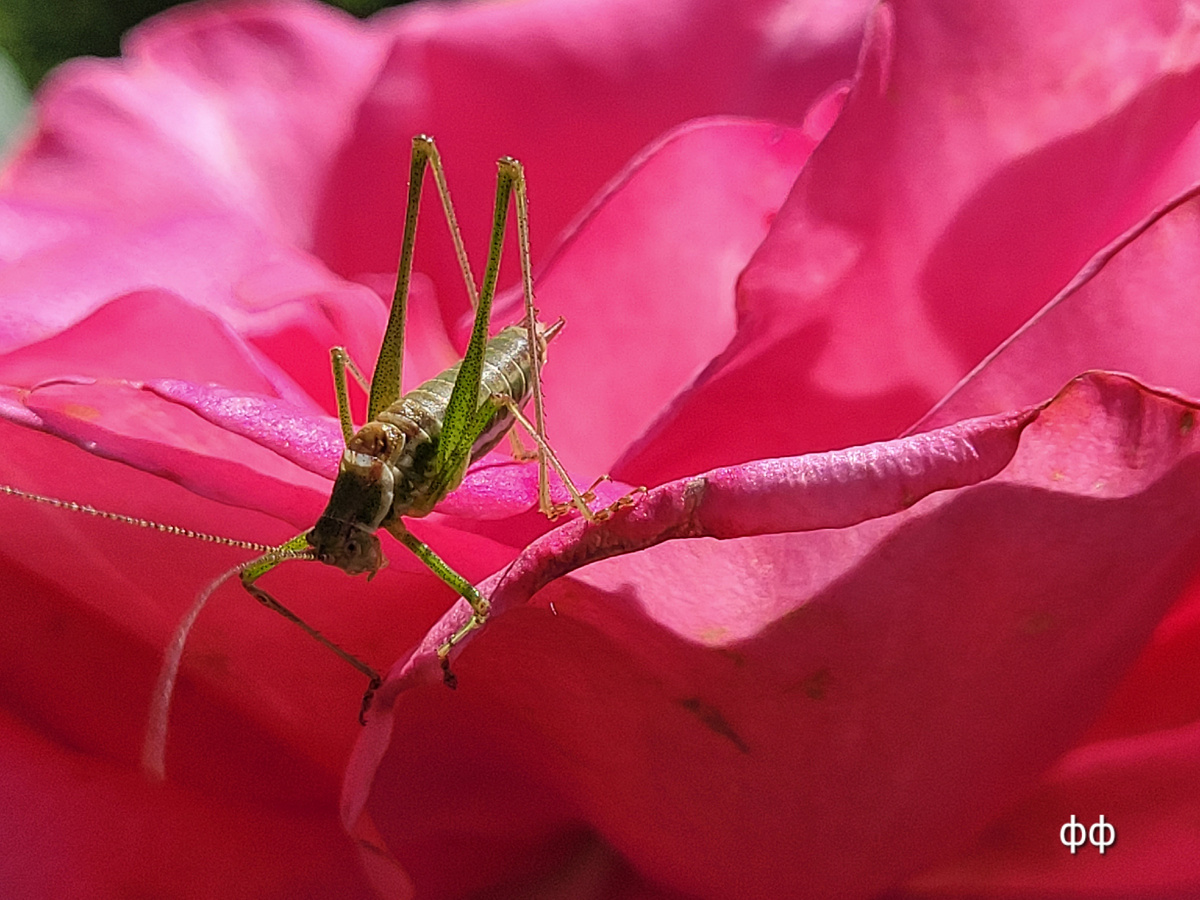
point(932, 663)
point(571, 91)
point(103, 141)
point(494, 488)
point(645, 281)
point(1134, 766)
point(310, 441)
point(1113, 316)
point(122, 421)
point(941, 211)
point(267, 176)
point(79, 823)
point(261, 711)
point(144, 334)
point(1146, 787)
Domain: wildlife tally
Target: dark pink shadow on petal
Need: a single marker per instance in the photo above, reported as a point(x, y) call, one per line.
point(78, 822)
point(921, 232)
point(907, 678)
point(1132, 309)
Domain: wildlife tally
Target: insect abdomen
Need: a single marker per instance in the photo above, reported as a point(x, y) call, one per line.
point(420, 412)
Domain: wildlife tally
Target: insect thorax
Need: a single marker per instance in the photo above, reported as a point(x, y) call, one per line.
point(390, 467)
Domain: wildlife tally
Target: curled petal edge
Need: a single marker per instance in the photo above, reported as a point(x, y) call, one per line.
point(835, 489)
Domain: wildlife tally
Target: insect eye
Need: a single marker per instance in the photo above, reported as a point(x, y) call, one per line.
point(352, 547)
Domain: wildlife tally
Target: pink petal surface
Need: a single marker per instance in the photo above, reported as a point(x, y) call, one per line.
point(312, 442)
point(275, 296)
point(669, 236)
point(740, 168)
point(113, 419)
point(223, 172)
point(496, 487)
point(985, 152)
point(1144, 785)
point(1116, 315)
point(1136, 767)
point(944, 208)
point(55, 816)
point(144, 334)
point(324, 170)
point(103, 142)
point(259, 717)
point(680, 222)
point(573, 91)
point(209, 165)
point(1104, 320)
point(912, 671)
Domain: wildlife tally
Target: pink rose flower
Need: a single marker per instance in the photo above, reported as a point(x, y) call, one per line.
point(912, 660)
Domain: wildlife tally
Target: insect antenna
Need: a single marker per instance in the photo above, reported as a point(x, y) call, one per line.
point(176, 530)
point(154, 748)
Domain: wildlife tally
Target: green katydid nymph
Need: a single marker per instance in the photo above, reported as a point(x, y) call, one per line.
point(416, 446)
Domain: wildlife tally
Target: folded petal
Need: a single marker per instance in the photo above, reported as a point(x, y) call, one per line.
point(915, 671)
point(1132, 309)
point(143, 335)
point(942, 210)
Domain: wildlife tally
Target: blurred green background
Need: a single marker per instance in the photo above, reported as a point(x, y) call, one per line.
point(36, 35)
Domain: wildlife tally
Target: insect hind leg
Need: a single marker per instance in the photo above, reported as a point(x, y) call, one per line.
point(385, 381)
point(539, 337)
point(580, 500)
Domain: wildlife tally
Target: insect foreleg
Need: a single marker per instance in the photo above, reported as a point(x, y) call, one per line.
point(298, 548)
point(340, 360)
point(480, 608)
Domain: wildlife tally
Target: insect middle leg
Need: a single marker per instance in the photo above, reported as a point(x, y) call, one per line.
point(341, 361)
point(480, 608)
